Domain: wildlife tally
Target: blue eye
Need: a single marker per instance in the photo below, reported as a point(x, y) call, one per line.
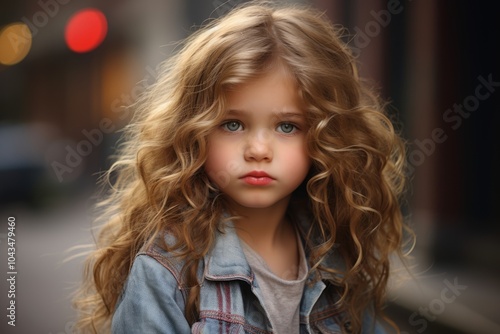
point(231, 126)
point(286, 128)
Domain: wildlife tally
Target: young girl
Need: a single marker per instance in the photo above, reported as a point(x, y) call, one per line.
point(257, 191)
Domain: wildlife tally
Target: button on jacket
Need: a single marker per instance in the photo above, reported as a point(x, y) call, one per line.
point(154, 296)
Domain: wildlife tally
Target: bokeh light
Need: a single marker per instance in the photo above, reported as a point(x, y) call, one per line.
point(15, 43)
point(86, 30)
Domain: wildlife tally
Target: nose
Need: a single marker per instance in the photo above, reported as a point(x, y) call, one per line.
point(259, 147)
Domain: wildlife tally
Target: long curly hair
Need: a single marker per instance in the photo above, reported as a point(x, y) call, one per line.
point(352, 194)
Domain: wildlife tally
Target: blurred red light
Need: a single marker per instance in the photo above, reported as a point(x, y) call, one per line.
point(86, 30)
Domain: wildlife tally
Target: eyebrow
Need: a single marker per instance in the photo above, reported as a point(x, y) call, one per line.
point(284, 114)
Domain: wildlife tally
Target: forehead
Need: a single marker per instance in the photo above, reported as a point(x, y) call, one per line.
point(275, 91)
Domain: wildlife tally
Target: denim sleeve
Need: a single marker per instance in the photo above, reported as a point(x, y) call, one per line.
point(151, 301)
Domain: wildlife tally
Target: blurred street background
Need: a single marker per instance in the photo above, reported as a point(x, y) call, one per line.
point(69, 67)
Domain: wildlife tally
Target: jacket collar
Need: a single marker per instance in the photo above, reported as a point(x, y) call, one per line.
point(226, 261)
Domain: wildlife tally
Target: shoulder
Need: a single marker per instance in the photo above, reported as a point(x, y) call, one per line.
point(155, 263)
point(156, 271)
point(154, 296)
point(156, 258)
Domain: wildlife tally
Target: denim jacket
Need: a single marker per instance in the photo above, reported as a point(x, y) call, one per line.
point(154, 297)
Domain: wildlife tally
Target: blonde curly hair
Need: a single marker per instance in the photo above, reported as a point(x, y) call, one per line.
point(352, 193)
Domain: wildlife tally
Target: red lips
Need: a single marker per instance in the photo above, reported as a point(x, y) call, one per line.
point(257, 178)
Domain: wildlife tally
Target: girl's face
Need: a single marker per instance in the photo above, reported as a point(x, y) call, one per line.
point(257, 156)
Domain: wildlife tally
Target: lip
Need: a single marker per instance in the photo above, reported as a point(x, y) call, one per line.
point(257, 178)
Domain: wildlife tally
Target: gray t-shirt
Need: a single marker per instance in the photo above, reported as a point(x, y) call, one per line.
point(281, 296)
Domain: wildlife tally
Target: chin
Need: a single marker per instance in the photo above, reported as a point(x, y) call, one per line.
point(258, 203)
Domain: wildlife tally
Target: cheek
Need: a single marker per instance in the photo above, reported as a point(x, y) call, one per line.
point(220, 162)
point(298, 163)
point(214, 157)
